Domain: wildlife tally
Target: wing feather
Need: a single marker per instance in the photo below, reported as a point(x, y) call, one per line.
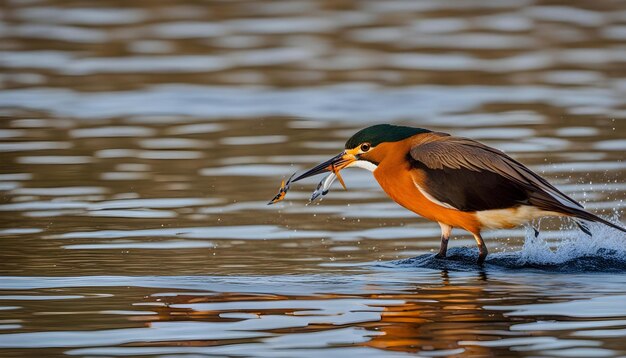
point(440, 153)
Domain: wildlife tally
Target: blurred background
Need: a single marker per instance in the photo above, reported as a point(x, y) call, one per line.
point(140, 114)
point(145, 137)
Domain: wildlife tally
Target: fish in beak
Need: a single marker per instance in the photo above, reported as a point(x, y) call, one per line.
point(284, 187)
point(333, 165)
point(323, 187)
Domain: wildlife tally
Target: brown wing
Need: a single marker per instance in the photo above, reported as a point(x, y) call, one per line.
point(471, 176)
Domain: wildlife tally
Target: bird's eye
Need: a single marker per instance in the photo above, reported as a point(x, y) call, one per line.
point(365, 147)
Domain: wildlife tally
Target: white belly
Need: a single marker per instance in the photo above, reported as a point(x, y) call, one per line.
point(508, 218)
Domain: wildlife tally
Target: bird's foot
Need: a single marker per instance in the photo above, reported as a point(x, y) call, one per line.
point(482, 256)
point(440, 255)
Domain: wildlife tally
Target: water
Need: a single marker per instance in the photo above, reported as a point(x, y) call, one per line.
point(140, 144)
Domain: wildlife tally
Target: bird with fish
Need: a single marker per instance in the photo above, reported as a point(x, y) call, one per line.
point(455, 181)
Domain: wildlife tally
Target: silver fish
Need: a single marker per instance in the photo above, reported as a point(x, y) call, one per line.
point(323, 187)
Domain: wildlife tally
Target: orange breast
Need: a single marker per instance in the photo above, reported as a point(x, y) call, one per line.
point(399, 180)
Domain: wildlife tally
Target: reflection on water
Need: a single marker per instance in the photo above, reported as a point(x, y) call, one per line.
point(433, 313)
point(141, 142)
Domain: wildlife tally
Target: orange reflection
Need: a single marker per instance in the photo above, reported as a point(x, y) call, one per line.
point(432, 317)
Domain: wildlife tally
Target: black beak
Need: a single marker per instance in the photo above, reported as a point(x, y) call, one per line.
point(327, 166)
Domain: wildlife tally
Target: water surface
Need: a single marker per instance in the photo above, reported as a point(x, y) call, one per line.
point(140, 142)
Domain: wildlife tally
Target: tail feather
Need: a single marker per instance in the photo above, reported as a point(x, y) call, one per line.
point(547, 202)
point(583, 227)
point(583, 214)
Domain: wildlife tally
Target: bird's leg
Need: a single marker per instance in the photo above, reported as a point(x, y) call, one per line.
point(482, 248)
point(445, 235)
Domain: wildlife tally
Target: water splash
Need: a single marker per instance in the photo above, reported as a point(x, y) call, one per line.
point(573, 251)
point(605, 244)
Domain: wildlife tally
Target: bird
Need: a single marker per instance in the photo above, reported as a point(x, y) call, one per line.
point(454, 181)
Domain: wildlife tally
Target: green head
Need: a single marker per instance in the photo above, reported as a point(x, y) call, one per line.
point(360, 147)
point(382, 133)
